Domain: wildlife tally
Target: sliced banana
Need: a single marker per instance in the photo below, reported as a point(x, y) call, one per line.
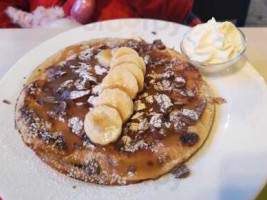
point(123, 79)
point(134, 59)
point(104, 57)
point(103, 125)
point(118, 99)
point(136, 71)
point(116, 53)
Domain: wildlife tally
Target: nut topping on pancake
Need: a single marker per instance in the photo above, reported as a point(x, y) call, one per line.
point(115, 119)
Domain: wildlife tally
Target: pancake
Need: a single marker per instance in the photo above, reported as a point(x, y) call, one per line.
point(172, 117)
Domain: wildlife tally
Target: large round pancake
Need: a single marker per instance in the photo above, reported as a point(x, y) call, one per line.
point(108, 160)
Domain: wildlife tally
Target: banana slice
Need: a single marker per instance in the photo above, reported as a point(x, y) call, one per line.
point(116, 53)
point(135, 70)
point(104, 57)
point(118, 100)
point(123, 79)
point(103, 125)
point(134, 59)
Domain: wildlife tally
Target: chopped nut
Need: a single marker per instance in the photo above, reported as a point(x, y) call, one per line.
point(164, 102)
point(143, 125)
point(143, 95)
point(126, 139)
point(179, 82)
point(156, 120)
point(150, 99)
point(138, 105)
point(181, 172)
point(133, 126)
point(137, 115)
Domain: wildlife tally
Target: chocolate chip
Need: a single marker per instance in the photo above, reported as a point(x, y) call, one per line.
point(189, 138)
point(92, 168)
point(181, 171)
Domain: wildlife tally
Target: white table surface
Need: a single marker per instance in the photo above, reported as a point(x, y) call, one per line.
point(14, 43)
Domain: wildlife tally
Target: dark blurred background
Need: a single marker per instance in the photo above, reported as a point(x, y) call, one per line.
point(242, 12)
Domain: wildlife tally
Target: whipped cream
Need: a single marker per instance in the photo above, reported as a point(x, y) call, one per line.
point(213, 42)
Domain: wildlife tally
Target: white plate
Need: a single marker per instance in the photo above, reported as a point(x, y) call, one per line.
point(231, 165)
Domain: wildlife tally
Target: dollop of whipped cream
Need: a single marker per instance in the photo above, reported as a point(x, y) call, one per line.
point(213, 42)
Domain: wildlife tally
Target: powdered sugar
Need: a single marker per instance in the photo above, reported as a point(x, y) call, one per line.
point(65, 85)
point(75, 124)
point(164, 102)
point(164, 85)
point(150, 99)
point(96, 89)
point(86, 54)
point(100, 70)
point(134, 147)
point(92, 100)
point(190, 113)
point(156, 120)
point(78, 94)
